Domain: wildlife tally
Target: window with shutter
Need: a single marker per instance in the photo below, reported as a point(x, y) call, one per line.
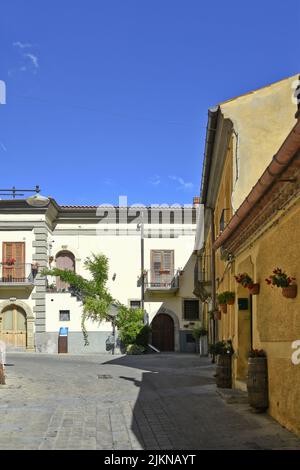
point(162, 266)
point(13, 259)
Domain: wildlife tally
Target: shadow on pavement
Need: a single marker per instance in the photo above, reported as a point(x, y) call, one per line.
point(163, 415)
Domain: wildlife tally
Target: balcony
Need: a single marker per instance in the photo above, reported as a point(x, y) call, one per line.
point(161, 283)
point(17, 275)
point(202, 278)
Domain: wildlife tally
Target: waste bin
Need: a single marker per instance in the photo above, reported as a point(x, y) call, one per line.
point(63, 340)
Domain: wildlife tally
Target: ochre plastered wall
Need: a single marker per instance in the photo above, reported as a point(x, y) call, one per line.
point(276, 319)
point(262, 120)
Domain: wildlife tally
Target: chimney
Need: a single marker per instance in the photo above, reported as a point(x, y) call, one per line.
point(196, 201)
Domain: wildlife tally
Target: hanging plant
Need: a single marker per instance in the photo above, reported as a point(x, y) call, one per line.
point(279, 278)
point(246, 281)
point(230, 297)
point(222, 301)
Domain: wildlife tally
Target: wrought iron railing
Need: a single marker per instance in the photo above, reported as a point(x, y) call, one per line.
point(202, 269)
point(164, 279)
point(17, 273)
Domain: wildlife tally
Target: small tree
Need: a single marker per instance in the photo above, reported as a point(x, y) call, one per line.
point(92, 292)
point(97, 301)
point(131, 327)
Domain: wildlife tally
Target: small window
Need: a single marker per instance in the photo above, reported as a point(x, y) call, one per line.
point(64, 315)
point(135, 304)
point(191, 309)
point(189, 338)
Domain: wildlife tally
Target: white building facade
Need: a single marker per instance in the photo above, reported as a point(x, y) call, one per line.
point(33, 308)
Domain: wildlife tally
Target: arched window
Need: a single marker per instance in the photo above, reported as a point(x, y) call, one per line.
point(64, 260)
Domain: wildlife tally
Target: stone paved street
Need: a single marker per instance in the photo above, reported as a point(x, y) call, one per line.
point(166, 401)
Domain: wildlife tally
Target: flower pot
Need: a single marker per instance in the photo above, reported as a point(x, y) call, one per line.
point(217, 315)
point(230, 302)
point(223, 307)
point(290, 292)
point(254, 289)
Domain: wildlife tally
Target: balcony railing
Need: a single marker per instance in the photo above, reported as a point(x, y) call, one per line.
point(161, 280)
point(202, 277)
point(17, 273)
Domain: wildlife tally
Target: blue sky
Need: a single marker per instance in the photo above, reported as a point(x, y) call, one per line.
point(110, 97)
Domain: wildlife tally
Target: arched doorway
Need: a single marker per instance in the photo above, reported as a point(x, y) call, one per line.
point(13, 328)
point(64, 260)
point(163, 332)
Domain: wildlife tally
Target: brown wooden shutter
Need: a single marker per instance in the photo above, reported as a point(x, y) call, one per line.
point(162, 266)
point(168, 260)
point(14, 250)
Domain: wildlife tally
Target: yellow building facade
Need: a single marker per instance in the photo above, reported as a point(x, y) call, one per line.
point(251, 197)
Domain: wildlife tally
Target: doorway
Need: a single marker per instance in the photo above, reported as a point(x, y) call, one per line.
point(163, 332)
point(13, 329)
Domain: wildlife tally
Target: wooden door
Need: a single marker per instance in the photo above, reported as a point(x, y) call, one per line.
point(14, 272)
point(163, 332)
point(13, 326)
point(162, 267)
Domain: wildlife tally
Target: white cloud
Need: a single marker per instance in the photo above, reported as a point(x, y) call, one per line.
point(34, 60)
point(3, 147)
point(155, 180)
point(182, 184)
point(22, 45)
point(29, 61)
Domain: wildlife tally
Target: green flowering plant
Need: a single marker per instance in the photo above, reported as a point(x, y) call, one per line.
point(221, 348)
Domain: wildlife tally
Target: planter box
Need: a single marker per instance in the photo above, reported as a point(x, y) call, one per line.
point(203, 346)
point(254, 290)
point(290, 292)
point(223, 307)
point(217, 315)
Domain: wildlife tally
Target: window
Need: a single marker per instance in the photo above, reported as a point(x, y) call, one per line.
point(191, 309)
point(135, 303)
point(162, 266)
point(13, 259)
point(189, 338)
point(64, 315)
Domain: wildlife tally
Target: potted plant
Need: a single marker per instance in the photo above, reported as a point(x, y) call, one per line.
point(222, 301)
point(217, 315)
point(279, 278)
point(257, 380)
point(246, 281)
point(51, 287)
point(34, 268)
point(200, 334)
point(9, 261)
point(230, 297)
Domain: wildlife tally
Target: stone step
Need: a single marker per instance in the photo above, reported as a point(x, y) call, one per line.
point(233, 395)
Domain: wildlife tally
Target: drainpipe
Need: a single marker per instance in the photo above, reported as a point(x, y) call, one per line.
point(213, 275)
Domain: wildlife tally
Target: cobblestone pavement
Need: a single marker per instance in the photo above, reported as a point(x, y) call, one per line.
point(164, 401)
